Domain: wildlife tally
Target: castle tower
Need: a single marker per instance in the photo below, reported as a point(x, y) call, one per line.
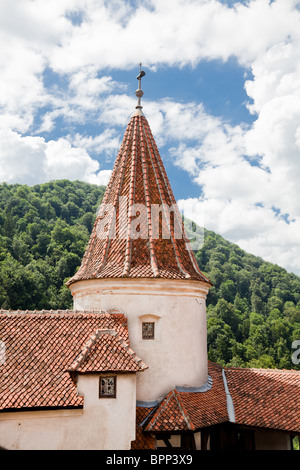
point(139, 261)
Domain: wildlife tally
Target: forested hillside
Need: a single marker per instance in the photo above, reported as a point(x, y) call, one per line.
point(44, 230)
point(253, 313)
point(253, 307)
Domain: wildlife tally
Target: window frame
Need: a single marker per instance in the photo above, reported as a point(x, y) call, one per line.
point(105, 395)
point(144, 335)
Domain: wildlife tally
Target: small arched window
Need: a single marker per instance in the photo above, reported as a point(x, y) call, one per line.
point(149, 326)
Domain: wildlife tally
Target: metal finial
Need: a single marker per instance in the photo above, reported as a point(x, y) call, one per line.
point(139, 93)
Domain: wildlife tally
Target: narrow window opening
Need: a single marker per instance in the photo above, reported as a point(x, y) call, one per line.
point(148, 330)
point(107, 387)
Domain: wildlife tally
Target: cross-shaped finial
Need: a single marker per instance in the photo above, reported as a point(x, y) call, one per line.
point(139, 93)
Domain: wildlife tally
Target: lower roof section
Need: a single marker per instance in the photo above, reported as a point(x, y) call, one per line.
point(261, 398)
point(42, 349)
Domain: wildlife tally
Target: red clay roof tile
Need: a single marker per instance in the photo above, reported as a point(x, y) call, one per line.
point(40, 349)
point(170, 415)
point(107, 351)
point(140, 177)
point(192, 410)
point(261, 398)
point(142, 440)
point(268, 398)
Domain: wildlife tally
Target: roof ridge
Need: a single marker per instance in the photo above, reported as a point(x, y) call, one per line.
point(259, 369)
point(160, 407)
point(176, 211)
point(130, 351)
point(85, 351)
point(127, 259)
point(119, 163)
point(153, 259)
point(229, 400)
point(159, 185)
point(117, 194)
point(67, 312)
point(183, 410)
point(216, 364)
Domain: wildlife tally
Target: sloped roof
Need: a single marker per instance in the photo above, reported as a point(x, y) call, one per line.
point(262, 398)
point(41, 349)
point(267, 398)
point(171, 415)
point(114, 250)
point(191, 410)
point(107, 351)
point(142, 440)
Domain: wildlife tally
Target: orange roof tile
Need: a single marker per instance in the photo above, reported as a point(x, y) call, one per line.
point(261, 398)
point(138, 177)
point(142, 440)
point(40, 349)
point(268, 398)
point(170, 415)
point(107, 351)
point(191, 410)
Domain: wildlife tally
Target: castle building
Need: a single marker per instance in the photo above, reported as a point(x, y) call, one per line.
point(127, 368)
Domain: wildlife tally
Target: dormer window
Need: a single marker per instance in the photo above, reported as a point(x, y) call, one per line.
point(108, 386)
point(148, 330)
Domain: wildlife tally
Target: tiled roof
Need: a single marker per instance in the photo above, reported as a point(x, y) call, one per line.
point(107, 351)
point(268, 398)
point(192, 410)
point(138, 177)
point(143, 440)
point(171, 415)
point(40, 350)
point(261, 398)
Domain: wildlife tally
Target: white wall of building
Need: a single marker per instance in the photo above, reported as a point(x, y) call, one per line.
point(103, 423)
point(178, 354)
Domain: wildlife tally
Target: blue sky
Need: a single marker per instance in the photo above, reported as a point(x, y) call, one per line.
point(218, 85)
point(221, 94)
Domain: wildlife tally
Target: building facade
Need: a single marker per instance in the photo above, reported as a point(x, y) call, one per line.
point(127, 368)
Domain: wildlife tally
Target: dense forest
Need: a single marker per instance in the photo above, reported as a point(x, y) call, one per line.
point(44, 230)
point(253, 309)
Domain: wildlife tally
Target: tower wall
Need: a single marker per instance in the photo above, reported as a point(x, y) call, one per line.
point(177, 356)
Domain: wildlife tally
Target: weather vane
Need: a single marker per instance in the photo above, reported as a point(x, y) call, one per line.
point(139, 93)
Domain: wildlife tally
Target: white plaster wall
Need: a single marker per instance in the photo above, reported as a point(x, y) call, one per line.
point(178, 354)
point(103, 423)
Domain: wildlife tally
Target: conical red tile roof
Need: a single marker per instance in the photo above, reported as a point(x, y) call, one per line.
point(125, 241)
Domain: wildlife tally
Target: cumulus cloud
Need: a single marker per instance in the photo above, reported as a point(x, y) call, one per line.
point(247, 175)
point(31, 160)
point(173, 32)
point(251, 201)
point(108, 142)
point(254, 227)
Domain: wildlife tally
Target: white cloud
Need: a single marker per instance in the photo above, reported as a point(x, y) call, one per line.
point(21, 158)
point(32, 160)
point(254, 228)
point(239, 197)
point(64, 161)
point(107, 142)
point(174, 32)
point(28, 32)
point(21, 90)
point(236, 167)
